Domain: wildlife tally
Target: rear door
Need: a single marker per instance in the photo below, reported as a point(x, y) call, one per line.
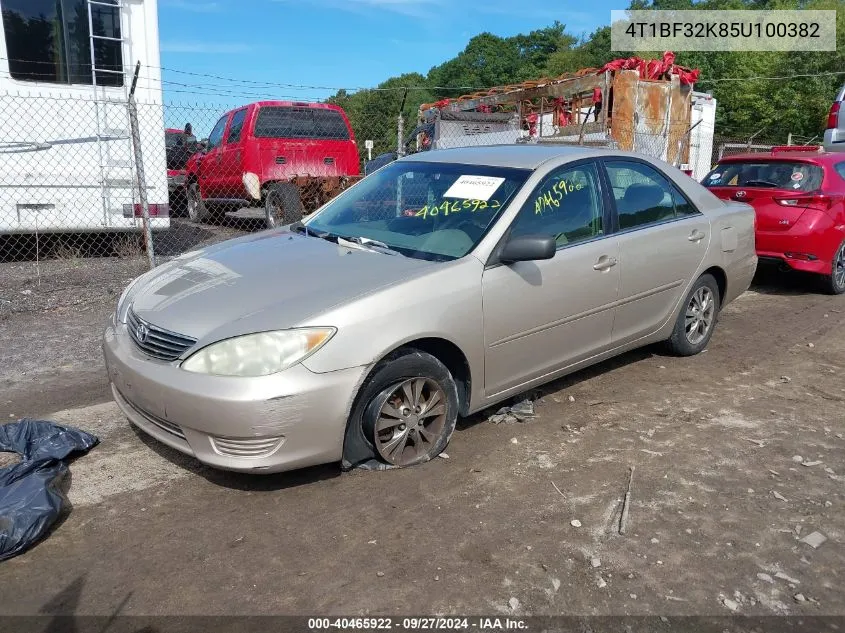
point(662, 242)
point(230, 180)
point(768, 186)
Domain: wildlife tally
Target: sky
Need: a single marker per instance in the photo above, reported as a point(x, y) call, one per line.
point(333, 43)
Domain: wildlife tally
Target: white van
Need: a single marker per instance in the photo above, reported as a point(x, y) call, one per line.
point(66, 154)
point(834, 135)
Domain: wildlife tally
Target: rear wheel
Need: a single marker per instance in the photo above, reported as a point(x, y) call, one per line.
point(834, 283)
point(408, 408)
point(282, 205)
point(697, 319)
point(197, 211)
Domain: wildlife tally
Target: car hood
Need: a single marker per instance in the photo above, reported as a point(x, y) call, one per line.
point(261, 282)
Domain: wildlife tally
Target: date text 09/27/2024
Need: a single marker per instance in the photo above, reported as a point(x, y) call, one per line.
point(481, 624)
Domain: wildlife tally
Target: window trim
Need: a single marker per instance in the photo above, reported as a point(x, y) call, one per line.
point(226, 118)
point(630, 159)
point(230, 122)
point(494, 261)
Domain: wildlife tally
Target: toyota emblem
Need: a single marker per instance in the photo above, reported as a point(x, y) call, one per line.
point(142, 332)
point(740, 194)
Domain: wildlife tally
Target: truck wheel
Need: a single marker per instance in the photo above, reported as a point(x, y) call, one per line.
point(197, 211)
point(282, 205)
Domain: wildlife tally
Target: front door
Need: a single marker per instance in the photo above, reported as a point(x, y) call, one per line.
point(662, 241)
point(231, 164)
point(541, 316)
point(209, 169)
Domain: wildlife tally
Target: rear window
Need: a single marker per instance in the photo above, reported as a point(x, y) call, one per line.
point(781, 174)
point(290, 122)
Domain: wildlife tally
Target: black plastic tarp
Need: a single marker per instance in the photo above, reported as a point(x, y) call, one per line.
point(30, 497)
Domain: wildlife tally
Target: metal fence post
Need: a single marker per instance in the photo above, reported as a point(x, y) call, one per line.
point(400, 128)
point(139, 167)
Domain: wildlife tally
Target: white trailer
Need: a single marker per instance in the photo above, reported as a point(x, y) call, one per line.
point(66, 153)
point(703, 120)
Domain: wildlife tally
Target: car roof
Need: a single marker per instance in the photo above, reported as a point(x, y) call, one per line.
point(818, 158)
point(520, 156)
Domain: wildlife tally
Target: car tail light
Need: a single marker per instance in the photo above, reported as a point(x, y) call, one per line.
point(833, 115)
point(156, 210)
point(820, 201)
point(797, 148)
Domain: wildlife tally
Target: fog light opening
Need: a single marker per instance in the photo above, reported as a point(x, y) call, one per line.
point(804, 257)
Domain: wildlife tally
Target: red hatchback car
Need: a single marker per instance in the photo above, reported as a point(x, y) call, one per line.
point(798, 193)
point(254, 151)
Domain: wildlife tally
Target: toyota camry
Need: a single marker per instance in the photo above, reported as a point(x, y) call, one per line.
point(435, 287)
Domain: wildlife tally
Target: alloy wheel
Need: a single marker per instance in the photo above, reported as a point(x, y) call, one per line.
point(411, 421)
point(839, 267)
point(701, 312)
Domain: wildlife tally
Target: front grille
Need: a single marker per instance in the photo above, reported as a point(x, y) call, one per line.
point(246, 447)
point(164, 425)
point(155, 341)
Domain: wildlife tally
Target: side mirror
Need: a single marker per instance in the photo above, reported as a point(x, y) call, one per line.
point(528, 248)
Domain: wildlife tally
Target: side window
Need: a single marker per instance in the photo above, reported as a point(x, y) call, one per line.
point(682, 207)
point(644, 196)
point(237, 127)
point(49, 41)
point(840, 169)
point(567, 205)
point(216, 136)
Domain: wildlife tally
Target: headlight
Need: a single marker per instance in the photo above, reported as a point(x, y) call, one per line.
point(258, 354)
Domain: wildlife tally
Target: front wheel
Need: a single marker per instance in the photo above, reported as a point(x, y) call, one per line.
point(197, 211)
point(697, 319)
point(408, 408)
point(834, 283)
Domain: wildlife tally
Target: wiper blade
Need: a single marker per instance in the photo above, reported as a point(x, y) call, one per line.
point(371, 244)
point(301, 227)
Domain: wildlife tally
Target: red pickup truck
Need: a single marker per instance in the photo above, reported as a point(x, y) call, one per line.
point(280, 157)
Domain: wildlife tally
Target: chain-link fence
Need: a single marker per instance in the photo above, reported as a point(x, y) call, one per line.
point(70, 184)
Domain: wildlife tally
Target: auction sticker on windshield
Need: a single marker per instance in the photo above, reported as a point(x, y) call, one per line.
point(474, 187)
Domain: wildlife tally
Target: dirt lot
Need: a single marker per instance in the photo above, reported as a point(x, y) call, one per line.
point(520, 519)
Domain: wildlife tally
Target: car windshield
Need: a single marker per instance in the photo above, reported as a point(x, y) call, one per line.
point(792, 175)
point(425, 210)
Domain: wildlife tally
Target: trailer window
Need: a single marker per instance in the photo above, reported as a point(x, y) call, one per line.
point(49, 41)
point(288, 122)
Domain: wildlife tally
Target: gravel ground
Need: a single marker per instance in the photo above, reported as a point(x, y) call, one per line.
point(738, 454)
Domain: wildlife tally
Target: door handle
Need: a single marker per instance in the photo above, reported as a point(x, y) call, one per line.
point(696, 236)
point(218, 158)
point(604, 263)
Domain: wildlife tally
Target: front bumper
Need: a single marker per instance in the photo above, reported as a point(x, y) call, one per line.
point(290, 420)
point(175, 182)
